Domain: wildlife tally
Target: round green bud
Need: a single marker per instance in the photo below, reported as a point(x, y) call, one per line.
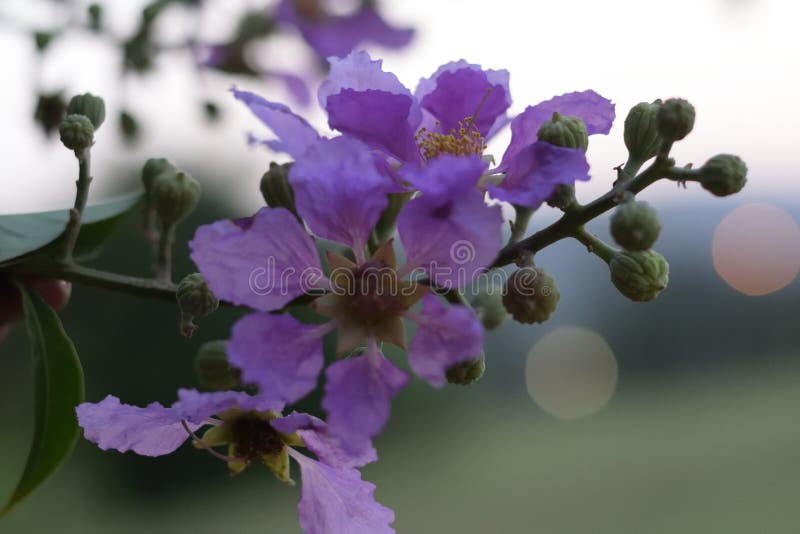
point(641, 131)
point(89, 106)
point(565, 131)
point(174, 197)
point(42, 40)
point(77, 132)
point(724, 174)
point(128, 126)
point(211, 110)
point(50, 111)
point(153, 168)
point(275, 187)
point(635, 226)
point(563, 197)
point(195, 300)
point(675, 119)
point(640, 276)
point(213, 369)
point(488, 305)
point(95, 12)
point(468, 372)
point(531, 295)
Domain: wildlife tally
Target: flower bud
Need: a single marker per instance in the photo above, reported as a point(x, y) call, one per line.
point(563, 197)
point(635, 226)
point(153, 168)
point(42, 40)
point(174, 196)
point(724, 174)
point(50, 111)
point(195, 300)
point(640, 276)
point(531, 295)
point(275, 187)
point(675, 119)
point(468, 372)
point(95, 12)
point(77, 132)
point(211, 110)
point(128, 126)
point(641, 131)
point(565, 131)
point(213, 369)
point(89, 106)
point(488, 305)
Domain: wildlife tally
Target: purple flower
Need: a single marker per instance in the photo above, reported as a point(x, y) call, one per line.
point(454, 112)
point(338, 35)
point(335, 500)
point(448, 233)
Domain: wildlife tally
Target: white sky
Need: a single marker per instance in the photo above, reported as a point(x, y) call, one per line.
point(736, 60)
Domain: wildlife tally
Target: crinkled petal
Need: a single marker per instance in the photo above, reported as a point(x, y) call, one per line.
point(358, 395)
point(337, 501)
point(535, 172)
point(279, 354)
point(597, 113)
point(294, 133)
point(446, 175)
point(369, 104)
point(339, 192)
point(150, 431)
point(446, 335)
point(339, 35)
point(327, 447)
point(460, 89)
point(450, 233)
point(263, 262)
point(196, 407)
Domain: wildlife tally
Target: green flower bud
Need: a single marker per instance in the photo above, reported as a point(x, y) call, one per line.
point(195, 300)
point(275, 187)
point(640, 276)
point(563, 197)
point(153, 168)
point(42, 40)
point(675, 119)
point(174, 197)
point(488, 305)
point(213, 369)
point(128, 126)
point(641, 131)
point(77, 132)
point(211, 110)
point(531, 295)
point(254, 25)
point(95, 12)
point(635, 226)
point(89, 106)
point(724, 174)
point(566, 131)
point(468, 372)
point(50, 111)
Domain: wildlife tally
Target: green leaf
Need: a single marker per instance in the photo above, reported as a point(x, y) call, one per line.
point(23, 233)
point(59, 389)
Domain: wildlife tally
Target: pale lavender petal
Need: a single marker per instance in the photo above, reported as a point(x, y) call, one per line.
point(337, 501)
point(458, 90)
point(369, 104)
point(294, 133)
point(327, 447)
point(279, 354)
point(535, 172)
point(446, 335)
point(150, 431)
point(339, 35)
point(358, 395)
point(450, 236)
point(339, 191)
point(263, 262)
point(597, 113)
point(196, 407)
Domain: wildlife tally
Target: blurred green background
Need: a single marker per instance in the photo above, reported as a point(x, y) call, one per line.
point(701, 434)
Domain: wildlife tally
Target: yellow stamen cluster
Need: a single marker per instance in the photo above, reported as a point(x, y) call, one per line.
point(464, 141)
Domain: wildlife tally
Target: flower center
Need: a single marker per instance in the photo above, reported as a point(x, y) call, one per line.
point(466, 140)
point(373, 293)
point(253, 437)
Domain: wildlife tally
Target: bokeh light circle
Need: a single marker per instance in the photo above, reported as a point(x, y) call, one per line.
point(571, 372)
point(756, 249)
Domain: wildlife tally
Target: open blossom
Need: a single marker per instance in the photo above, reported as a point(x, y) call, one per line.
point(269, 260)
point(334, 498)
point(453, 112)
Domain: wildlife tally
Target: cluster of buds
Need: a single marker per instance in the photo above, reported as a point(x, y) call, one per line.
point(84, 115)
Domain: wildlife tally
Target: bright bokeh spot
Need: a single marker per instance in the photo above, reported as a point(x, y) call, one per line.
point(756, 249)
point(571, 372)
